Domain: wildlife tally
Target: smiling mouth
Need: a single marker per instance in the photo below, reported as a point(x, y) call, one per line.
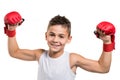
point(55, 46)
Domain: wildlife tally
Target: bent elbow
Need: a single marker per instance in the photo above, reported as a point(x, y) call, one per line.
point(105, 71)
point(12, 54)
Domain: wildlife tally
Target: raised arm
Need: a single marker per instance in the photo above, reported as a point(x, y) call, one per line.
point(12, 20)
point(23, 54)
point(105, 32)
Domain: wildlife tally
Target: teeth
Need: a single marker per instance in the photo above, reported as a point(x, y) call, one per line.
point(55, 45)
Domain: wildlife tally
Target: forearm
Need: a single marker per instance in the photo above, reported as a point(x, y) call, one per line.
point(105, 59)
point(12, 45)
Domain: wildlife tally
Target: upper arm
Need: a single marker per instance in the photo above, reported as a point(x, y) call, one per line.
point(87, 64)
point(26, 54)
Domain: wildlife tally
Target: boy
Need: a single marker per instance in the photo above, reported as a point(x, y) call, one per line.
point(55, 63)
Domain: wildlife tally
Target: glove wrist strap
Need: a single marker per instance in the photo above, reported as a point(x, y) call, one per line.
point(109, 47)
point(9, 33)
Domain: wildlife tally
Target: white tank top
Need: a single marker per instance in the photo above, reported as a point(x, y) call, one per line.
point(55, 68)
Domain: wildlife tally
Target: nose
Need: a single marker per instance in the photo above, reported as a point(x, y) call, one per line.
point(55, 39)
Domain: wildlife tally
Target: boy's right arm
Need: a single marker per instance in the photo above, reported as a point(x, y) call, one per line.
point(24, 54)
point(12, 20)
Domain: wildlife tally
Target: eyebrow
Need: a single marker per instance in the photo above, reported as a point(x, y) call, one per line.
point(54, 33)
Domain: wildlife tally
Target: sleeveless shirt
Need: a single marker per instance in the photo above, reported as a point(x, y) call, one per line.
point(55, 68)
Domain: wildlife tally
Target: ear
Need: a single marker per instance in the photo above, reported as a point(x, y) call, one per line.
point(69, 39)
point(46, 35)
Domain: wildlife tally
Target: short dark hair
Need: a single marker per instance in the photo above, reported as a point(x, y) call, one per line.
point(61, 20)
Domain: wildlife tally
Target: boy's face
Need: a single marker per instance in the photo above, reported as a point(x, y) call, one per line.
point(57, 37)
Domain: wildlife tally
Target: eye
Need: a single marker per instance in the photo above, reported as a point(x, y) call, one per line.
point(51, 34)
point(61, 36)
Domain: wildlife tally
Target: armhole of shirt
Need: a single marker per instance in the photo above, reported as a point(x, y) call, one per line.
point(42, 55)
point(69, 65)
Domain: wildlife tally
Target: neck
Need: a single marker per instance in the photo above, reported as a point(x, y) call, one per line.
point(55, 54)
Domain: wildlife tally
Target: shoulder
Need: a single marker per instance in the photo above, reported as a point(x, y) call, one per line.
point(76, 58)
point(39, 52)
point(75, 55)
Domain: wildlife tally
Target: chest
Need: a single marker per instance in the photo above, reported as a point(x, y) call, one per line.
point(55, 69)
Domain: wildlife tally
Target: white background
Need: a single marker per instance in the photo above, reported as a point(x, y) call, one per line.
point(84, 16)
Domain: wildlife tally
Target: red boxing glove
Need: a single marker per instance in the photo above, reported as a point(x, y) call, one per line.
point(109, 29)
point(106, 27)
point(12, 18)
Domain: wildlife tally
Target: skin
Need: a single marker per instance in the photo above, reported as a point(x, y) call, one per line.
point(57, 37)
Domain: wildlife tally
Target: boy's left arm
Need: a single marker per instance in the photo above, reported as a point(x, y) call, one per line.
point(105, 31)
point(99, 66)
